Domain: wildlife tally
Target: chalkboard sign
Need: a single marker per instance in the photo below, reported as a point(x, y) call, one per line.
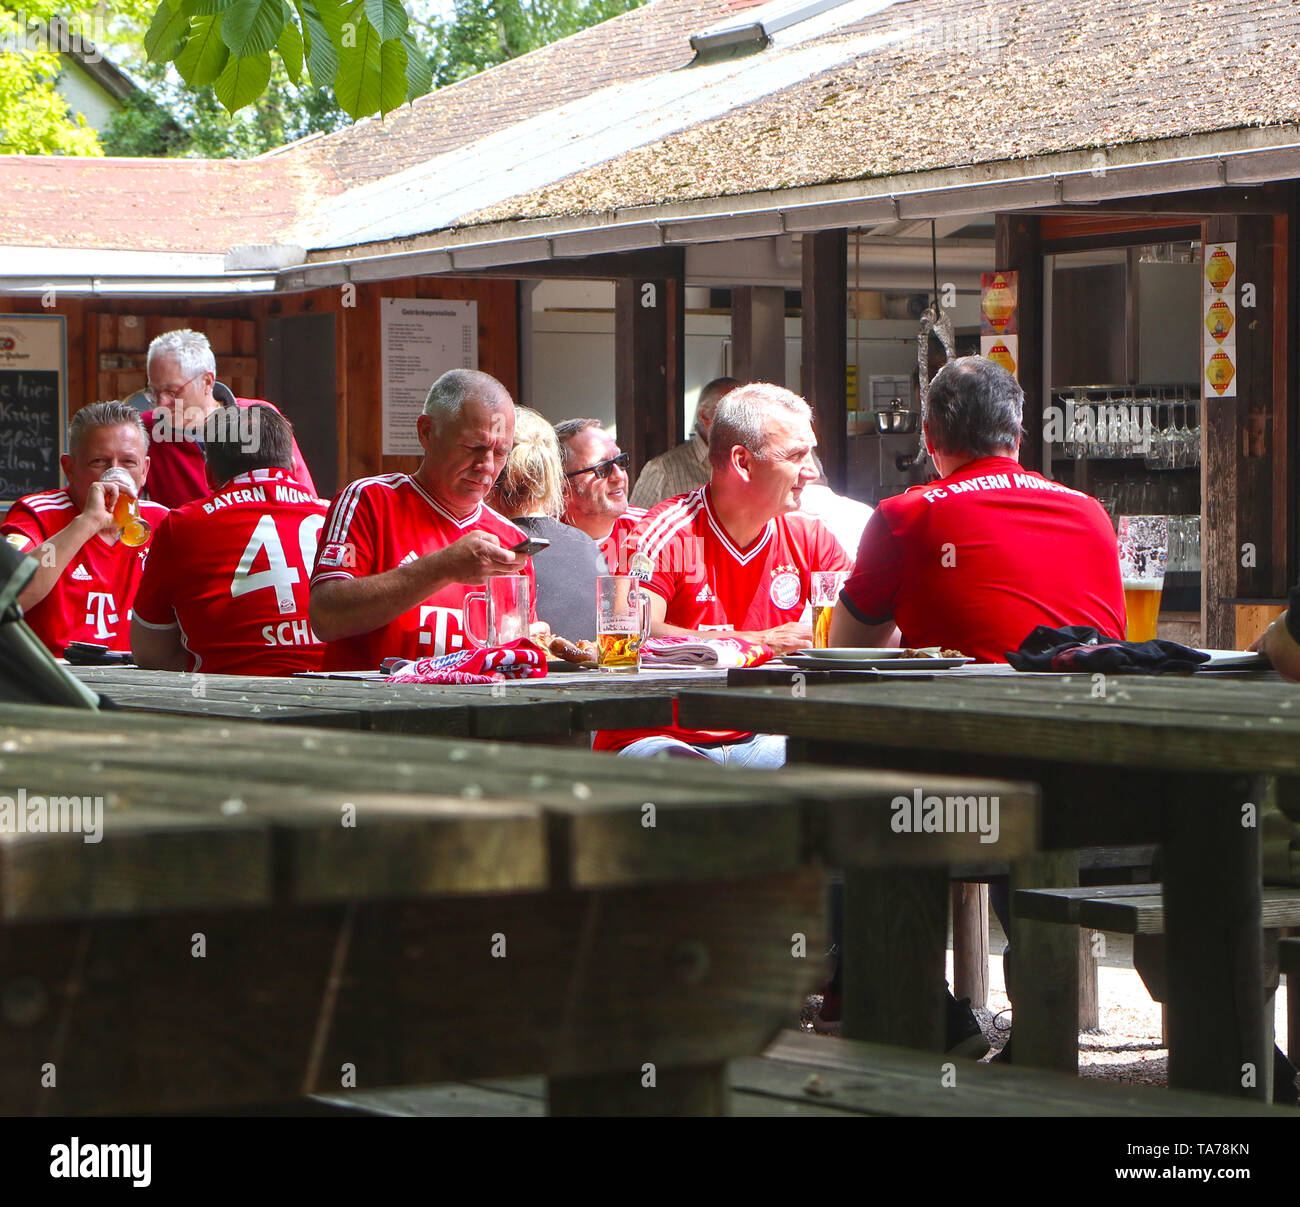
point(33, 402)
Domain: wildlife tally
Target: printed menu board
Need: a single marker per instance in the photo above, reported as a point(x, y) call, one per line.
point(33, 402)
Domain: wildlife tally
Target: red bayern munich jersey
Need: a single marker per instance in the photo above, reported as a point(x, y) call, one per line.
point(232, 571)
point(377, 524)
point(92, 599)
point(976, 560)
point(708, 583)
point(616, 546)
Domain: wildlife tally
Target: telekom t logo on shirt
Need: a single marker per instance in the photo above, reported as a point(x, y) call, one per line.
point(102, 612)
point(447, 632)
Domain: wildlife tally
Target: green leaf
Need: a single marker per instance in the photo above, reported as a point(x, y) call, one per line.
point(332, 15)
point(242, 81)
point(358, 84)
point(166, 33)
point(322, 54)
point(205, 54)
point(419, 76)
point(388, 17)
point(290, 48)
point(392, 75)
point(207, 8)
point(251, 27)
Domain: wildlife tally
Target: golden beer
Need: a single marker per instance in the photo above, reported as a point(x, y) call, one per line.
point(618, 651)
point(822, 625)
point(126, 511)
point(1142, 602)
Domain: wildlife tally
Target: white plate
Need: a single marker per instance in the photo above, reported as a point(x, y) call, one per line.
point(891, 662)
point(1223, 660)
point(853, 653)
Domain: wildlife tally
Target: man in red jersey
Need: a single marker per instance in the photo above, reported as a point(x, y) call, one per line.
point(732, 558)
point(976, 560)
point(595, 488)
point(400, 552)
point(182, 373)
point(226, 587)
point(88, 578)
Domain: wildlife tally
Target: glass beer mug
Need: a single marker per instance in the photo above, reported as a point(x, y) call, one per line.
point(135, 530)
point(622, 623)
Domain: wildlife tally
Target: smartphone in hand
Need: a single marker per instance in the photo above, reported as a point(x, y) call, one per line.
point(530, 546)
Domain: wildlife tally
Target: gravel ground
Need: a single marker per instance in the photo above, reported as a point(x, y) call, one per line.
point(1127, 1048)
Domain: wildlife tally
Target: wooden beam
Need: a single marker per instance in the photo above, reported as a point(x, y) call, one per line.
point(1018, 248)
point(758, 333)
point(649, 351)
point(656, 262)
point(825, 332)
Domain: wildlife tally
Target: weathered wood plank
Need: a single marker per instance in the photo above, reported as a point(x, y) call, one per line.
point(289, 1002)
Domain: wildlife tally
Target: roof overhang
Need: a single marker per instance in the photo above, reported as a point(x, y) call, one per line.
point(98, 273)
point(1238, 158)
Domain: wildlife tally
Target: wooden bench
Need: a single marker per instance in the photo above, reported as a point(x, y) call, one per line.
point(808, 1075)
point(1138, 910)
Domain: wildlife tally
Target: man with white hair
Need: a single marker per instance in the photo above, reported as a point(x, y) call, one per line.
point(182, 374)
point(732, 558)
point(400, 552)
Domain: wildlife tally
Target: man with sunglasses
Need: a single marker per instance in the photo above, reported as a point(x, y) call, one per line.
point(182, 388)
point(595, 488)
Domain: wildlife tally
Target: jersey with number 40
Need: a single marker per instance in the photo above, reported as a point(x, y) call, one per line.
point(232, 571)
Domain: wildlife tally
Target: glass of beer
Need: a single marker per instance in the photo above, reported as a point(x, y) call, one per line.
point(622, 622)
point(1143, 550)
point(826, 586)
point(134, 528)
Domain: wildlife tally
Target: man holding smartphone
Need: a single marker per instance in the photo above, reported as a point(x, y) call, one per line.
point(399, 552)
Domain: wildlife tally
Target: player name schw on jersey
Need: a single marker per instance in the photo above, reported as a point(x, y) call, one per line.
point(281, 493)
point(289, 632)
point(997, 482)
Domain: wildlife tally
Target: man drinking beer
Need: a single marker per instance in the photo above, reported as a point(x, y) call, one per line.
point(87, 576)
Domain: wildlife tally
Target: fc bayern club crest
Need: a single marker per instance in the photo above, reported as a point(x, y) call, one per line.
point(786, 591)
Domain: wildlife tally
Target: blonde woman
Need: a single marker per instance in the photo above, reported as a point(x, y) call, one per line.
point(530, 493)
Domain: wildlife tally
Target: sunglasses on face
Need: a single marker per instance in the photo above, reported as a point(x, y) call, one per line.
point(602, 469)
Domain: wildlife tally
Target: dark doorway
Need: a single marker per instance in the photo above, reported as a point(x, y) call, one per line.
point(299, 361)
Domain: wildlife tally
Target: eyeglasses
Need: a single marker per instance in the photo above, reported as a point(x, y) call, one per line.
point(602, 469)
point(156, 396)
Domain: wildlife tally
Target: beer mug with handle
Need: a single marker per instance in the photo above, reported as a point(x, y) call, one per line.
point(622, 622)
point(505, 601)
point(134, 528)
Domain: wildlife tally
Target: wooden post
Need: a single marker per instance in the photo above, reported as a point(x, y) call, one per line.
point(1045, 970)
point(1214, 936)
point(1244, 530)
point(1089, 1008)
point(649, 350)
point(825, 332)
point(1018, 247)
point(758, 333)
point(894, 924)
point(970, 942)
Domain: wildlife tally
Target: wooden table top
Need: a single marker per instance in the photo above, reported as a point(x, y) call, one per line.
point(200, 814)
point(558, 705)
point(1180, 723)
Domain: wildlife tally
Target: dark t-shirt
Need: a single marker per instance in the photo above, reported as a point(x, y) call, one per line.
point(566, 577)
point(1293, 613)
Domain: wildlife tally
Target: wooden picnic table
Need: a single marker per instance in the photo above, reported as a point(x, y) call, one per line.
point(1182, 760)
point(560, 706)
point(275, 912)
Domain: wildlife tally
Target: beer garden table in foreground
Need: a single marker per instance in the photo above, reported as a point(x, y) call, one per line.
point(1120, 759)
point(274, 910)
point(561, 706)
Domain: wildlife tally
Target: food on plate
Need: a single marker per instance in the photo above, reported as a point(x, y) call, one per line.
point(931, 651)
point(582, 652)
